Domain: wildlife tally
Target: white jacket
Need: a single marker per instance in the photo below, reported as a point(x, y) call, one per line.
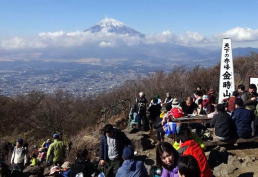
point(19, 155)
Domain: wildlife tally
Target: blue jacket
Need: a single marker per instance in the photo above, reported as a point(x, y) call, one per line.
point(243, 119)
point(132, 168)
point(122, 141)
point(65, 173)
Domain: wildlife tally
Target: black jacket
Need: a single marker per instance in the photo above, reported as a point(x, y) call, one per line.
point(122, 141)
point(224, 125)
point(83, 166)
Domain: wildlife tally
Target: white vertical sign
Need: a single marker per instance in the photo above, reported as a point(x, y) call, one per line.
point(226, 84)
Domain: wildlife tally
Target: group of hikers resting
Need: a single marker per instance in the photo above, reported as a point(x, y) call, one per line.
point(235, 117)
point(181, 156)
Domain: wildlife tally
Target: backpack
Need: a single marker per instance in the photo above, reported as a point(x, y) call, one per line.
point(176, 112)
point(170, 128)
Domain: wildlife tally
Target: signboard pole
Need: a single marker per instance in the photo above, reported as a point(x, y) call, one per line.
point(226, 84)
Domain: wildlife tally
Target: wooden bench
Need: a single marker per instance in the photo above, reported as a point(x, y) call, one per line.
point(238, 141)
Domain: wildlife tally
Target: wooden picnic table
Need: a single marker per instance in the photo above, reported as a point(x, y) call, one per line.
point(192, 119)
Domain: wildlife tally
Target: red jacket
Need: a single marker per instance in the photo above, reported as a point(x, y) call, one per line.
point(231, 104)
point(192, 148)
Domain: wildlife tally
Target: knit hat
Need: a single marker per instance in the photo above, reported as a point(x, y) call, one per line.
point(128, 153)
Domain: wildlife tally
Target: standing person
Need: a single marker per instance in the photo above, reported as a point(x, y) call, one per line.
point(131, 167)
point(212, 97)
point(112, 143)
point(168, 101)
point(133, 116)
point(251, 99)
point(251, 103)
point(56, 151)
point(243, 119)
point(20, 156)
point(242, 92)
point(167, 158)
point(46, 143)
point(224, 125)
point(197, 96)
point(188, 167)
point(141, 102)
point(154, 112)
point(189, 147)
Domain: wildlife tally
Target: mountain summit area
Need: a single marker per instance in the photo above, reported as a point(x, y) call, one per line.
point(111, 25)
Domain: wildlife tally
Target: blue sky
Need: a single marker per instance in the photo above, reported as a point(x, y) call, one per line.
point(30, 17)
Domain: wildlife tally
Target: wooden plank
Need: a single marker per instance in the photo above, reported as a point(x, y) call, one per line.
point(240, 140)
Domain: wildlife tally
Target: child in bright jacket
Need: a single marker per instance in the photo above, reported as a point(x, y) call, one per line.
point(189, 147)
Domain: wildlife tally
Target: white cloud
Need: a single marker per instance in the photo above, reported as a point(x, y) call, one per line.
point(241, 34)
point(105, 44)
point(61, 39)
point(192, 38)
point(163, 37)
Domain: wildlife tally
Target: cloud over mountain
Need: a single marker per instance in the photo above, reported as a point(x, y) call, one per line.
point(241, 34)
point(114, 40)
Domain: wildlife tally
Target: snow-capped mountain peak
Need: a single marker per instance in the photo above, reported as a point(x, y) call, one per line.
point(106, 22)
point(110, 25)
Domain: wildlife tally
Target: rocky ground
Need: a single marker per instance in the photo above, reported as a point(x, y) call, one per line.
point(226, 161)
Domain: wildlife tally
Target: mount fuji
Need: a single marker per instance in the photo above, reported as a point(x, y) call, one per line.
point(110, 25)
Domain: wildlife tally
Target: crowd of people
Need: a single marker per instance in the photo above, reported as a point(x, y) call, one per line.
point(179, 155)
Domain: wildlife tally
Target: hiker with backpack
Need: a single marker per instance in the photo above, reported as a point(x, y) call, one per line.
point(141, 102)
point(19, 157)
point(56, 151)
point(112, 143)
point(168, 101)
point(154, 112)
point(134, 116)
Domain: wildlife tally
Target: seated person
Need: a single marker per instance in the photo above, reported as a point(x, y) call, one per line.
point(188, 166)
point(176, 111)
point(223, 124)
point(82, 164)
point(130, 166)
point(243, 119)
point(188, 106)
point(189, 147)
point(66, 170)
